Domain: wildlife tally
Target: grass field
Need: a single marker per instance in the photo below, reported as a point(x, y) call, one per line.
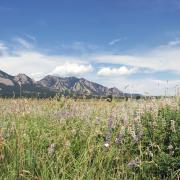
point(89, 139)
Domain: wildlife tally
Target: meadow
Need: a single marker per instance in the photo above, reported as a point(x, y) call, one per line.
point(89, 139)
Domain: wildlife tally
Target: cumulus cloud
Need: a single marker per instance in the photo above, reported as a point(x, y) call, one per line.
point(70, 69)
point(121, 71)
point(37, 65)
point(26, 59)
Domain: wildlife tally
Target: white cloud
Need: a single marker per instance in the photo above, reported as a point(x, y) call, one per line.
point(24, 43)
point(114, 41)
point(2, 47)
point(121, 71)
point(144, 85)
point(163, 58)
point(70, 69)
point(37, 75)
point(31, 63)
point(37, 64)
point(32, 38)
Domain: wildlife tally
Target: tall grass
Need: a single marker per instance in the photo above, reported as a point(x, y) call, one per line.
point(89, 139)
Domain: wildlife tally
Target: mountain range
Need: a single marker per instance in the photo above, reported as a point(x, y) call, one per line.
point(22, 85)
point(51, 85)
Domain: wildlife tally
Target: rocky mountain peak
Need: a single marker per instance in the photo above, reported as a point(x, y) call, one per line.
point(23, 79)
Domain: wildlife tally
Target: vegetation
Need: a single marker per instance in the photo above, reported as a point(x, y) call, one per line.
point(89, 139)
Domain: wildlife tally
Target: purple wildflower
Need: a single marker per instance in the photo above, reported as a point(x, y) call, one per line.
point(110, 122)
point(120, 137)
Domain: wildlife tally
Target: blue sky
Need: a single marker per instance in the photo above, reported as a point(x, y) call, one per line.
point(112, 42)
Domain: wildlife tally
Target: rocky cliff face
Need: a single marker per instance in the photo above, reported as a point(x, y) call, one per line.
point(77, 86)
point(6, 79)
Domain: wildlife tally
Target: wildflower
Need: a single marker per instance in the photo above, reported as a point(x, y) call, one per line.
point(154, 124)
point(110, 122)
point(133, 134)
point(118, 140)
point(107, 137)
point(133, 163)
point(51, 149)
point(73, 131)
point(171, 153)
point(98, 120)
point(13, 128)
point(173, 128)
point(125, 119)
point(106, 144)
point(150, 154)
point(170, 148)
point(67, 144)
point(139, 136)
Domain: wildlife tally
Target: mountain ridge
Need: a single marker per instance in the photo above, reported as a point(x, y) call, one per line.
point(50, 85)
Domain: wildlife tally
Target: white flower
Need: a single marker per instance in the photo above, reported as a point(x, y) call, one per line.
point(150, 154)
point(170, 147)
point(173, 128)
point(106, 144)
point(51, 149)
